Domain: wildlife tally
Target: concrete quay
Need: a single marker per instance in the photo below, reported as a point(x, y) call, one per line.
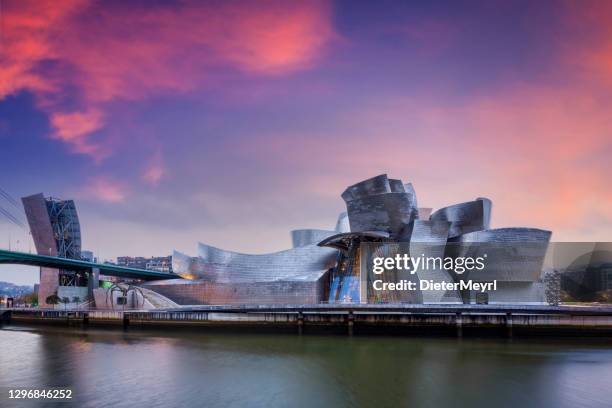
point(452, 320)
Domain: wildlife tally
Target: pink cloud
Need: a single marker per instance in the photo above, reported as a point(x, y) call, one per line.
point(74, 128)
point(105, 189)
point(590, 49)
point(133, 51)
point(25, 42)
point(153, 174)
point(155, 170)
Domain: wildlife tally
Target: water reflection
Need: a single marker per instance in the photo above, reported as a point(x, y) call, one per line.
point(160, 368)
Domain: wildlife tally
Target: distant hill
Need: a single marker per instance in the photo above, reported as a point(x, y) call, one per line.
point(10, 289)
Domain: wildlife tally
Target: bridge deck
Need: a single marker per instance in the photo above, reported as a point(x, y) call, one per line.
point(22, 258)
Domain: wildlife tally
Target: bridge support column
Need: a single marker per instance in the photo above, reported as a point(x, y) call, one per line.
point(459, 324)
point(93, 282)
point(509, 325)
point(300, 323)
point(350, 319)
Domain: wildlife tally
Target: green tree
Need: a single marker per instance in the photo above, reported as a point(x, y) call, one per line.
point(30, 299)
point(52, 299)
point(65, 300)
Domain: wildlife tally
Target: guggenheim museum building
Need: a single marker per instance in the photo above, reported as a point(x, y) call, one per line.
point(333, 266)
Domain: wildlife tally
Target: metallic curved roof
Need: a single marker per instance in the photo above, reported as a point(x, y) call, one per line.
point(302, 237)
point(465, 217)
point(372, 186)
point(307, 262)
point(512, 234)
point(342, 241)
point(380, 204)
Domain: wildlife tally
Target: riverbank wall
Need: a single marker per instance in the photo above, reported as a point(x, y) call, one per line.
point(451, 320)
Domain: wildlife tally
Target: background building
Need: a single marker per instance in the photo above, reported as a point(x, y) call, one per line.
point(56, 231)
point(155, 263)
point(88, 256)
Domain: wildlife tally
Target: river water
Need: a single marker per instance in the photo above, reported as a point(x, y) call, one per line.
point(156, 368)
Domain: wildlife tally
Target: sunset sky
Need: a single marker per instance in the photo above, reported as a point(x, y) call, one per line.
point(233, 122)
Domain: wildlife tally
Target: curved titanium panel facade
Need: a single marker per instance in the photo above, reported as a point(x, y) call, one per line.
point(303, 263)
point(217, 276)
point(396, 186)
point(487, 207)
point(429, 239)
point(373, 186)
point(201, 292)
point(464, 217)
point(512, 254)
point(384, 212)
point(342, 225)
point(306, 263)
point(509, 235)
point(414, 207)
point(380, 204)
point(367, 253)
